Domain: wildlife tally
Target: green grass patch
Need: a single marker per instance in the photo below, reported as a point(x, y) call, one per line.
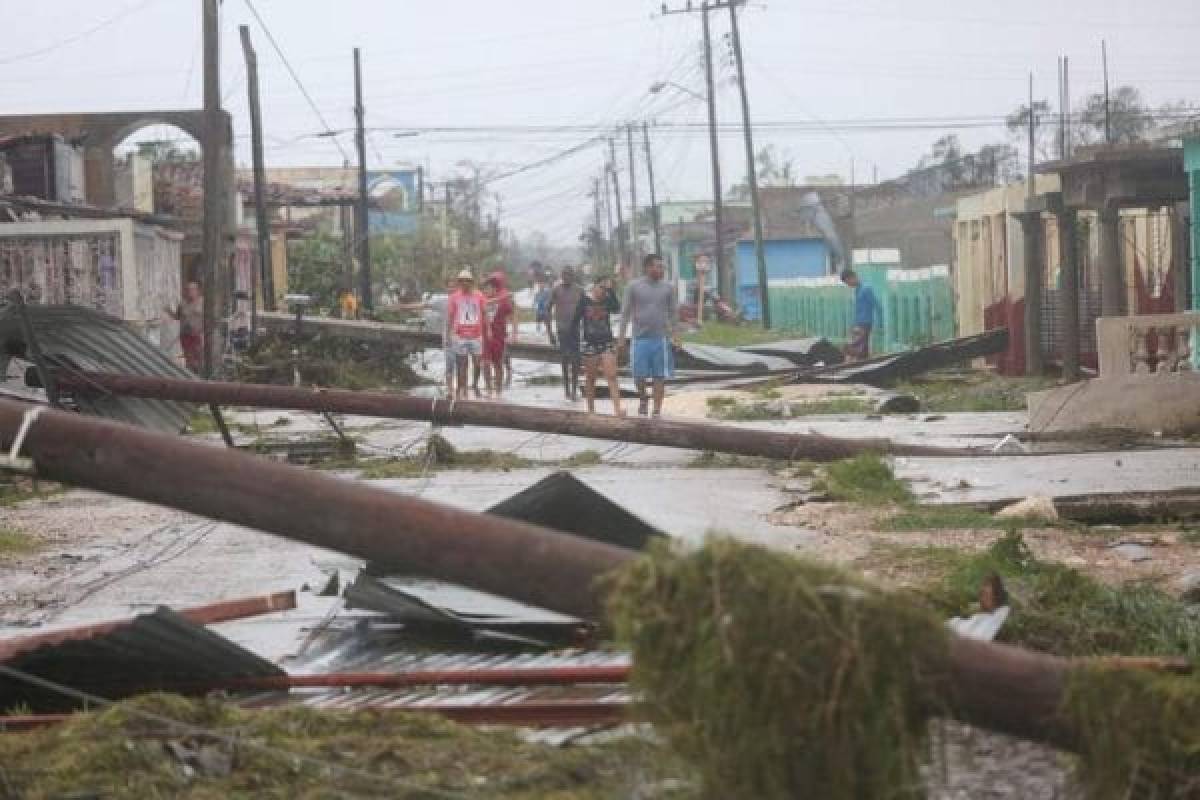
point(585, 458)
point(865, 479)
point(710, 460)
point(1060, 610)
point(12, 494)
point(15, 543)
point(319, 753)
point(979, 391)
point(933, 518)
point(728, 408)
point(725, 334)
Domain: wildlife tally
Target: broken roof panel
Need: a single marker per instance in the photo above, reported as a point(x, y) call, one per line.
point(706, 356)
point(426, 603)
point(90, 340)
point(559, 501)
point(801, 352)
point(564, 503)
point(151, 651)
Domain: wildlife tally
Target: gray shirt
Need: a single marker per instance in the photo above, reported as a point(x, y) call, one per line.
point(650, 305)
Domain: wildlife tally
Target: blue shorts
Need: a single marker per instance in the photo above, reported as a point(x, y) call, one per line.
point(652, 358)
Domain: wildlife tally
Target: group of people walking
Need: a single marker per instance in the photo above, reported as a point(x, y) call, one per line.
point(481, 325)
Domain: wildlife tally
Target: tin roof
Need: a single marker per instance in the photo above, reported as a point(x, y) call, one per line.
point(91, 340)
point(150, 651)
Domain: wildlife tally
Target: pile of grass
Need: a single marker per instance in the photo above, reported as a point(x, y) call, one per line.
point(328, 361)
point(728, 408)
point(778, 677)
point(1142, 733)
point(117, 753)
point(584, 458)
point(1060, 610)
point(440, 454)
point(15, 543)
point(866, 479)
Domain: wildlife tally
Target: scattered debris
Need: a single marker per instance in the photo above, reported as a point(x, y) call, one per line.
point(1035, 506)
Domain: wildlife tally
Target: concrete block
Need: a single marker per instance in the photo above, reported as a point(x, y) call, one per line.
point(1167, 403)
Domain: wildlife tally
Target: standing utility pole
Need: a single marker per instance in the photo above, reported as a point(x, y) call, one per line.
point(613, 255)
point(756, 208)
point(1029, 190)
point(654, 220)
point(261, 222)
point(361, 223)
point(212, 259)
point(635, 239)
point(1107, 107)
point(621, 230)
point(726, 280)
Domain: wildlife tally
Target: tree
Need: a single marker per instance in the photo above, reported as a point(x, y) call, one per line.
point(1130, 118)
point(1045, 130)
point(772, 169)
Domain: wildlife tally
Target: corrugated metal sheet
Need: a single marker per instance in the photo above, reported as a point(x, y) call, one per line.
point(151, 651)
point(381, 650)
point(90, 340)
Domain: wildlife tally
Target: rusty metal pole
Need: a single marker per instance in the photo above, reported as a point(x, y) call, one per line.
point(666, 433)
point(528, 563)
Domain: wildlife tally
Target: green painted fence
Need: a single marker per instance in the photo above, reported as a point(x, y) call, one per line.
point(917, 306)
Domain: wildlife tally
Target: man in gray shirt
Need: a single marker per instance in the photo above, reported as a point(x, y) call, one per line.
point(650, 307)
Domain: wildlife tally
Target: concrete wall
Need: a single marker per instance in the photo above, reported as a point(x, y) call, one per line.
point(133, 181)
point(118, 266)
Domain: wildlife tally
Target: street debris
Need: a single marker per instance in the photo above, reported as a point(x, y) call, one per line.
point(1037, 506)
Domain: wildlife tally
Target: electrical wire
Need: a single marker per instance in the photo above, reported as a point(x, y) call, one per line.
point(299, 84)
point(78, 37)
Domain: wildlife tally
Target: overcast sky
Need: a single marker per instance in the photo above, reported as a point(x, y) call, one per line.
point(582, 66)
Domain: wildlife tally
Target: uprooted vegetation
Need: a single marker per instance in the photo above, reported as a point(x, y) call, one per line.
point(327, 361)
point(1059, 610)
point(777, 677)
point(729, 408)
point(439, 453)
point(304, 753)
point(972, 391)
point(866, 479)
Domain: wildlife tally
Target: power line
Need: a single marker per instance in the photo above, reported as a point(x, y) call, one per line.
point(99, 26)
point(296, 78)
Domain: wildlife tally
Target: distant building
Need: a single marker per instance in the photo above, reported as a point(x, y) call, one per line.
point(45, 166)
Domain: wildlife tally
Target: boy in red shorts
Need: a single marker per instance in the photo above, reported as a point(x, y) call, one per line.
point(502, 314)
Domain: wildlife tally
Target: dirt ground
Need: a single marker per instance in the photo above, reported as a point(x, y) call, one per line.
point(848, 535)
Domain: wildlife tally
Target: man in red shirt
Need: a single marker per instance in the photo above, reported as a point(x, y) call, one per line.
point(502, 313)
point(466, 311)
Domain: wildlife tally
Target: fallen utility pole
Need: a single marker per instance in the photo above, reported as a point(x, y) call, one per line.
point(512, 559)
point(784, 446)
point(1001, 687)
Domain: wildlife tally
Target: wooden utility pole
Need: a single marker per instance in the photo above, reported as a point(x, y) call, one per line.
point(613, 254)
point(654, 220)
point(261, 221)
point(635, 238)
point(212, 258)
point(361, 221)
point(622, 231)
point(726, 274)
point(760, 255)
point(598, 243)
point(1107, 106)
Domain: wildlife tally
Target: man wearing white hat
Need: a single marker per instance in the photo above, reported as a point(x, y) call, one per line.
point(465, 311)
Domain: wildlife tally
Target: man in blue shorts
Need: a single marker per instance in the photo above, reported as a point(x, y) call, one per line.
point(650, 306)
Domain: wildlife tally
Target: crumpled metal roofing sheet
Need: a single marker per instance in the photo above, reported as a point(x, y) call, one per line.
point(151, 651)
point(91, 340)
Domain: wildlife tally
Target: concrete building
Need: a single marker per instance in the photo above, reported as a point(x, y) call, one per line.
point(123, 266)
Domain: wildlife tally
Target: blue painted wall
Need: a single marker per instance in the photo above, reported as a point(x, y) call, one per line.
point(786, 258)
